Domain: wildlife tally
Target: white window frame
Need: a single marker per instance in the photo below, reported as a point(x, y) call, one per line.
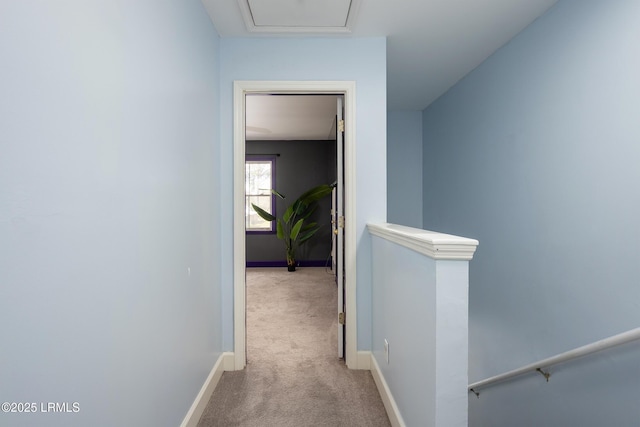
point(267, 192)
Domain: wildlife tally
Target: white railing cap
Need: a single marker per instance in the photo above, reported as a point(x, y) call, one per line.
point(430, 243)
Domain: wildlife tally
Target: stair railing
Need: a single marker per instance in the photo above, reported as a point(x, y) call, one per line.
point(541, 366)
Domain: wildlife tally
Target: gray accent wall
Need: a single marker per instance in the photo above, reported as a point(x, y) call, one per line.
point(536, 154)
point(300, 165)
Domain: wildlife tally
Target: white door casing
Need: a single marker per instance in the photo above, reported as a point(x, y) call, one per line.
point(240, 90)
point(339, 224)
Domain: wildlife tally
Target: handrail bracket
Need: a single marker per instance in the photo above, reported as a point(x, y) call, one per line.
point(546, 375)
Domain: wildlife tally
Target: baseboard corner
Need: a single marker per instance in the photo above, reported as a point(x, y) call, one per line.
point(395, 418)
point(364, 360)
point(229, 361)
point(200, 403)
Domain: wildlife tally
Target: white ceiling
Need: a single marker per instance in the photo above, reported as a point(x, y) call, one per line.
point(431, 44)
point(290, 117)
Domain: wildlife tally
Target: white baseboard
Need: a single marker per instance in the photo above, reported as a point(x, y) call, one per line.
point(198, 406)
point(385, 393)
point(229, 362)
point(364, 360)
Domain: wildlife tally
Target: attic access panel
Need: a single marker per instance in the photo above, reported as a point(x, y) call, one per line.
point(306, 16)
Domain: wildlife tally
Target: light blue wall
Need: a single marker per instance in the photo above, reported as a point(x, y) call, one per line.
point(420, 306)
point(536, 154)
point(109, 118)
point(404, 168)
point(362, 60)
point(404, 308)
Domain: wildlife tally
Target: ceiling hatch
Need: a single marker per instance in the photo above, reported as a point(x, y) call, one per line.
point(299, 16)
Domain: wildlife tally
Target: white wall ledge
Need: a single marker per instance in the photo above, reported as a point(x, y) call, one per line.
point(430, 243)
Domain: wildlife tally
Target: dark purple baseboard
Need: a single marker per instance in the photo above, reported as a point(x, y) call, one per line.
point(283, 263)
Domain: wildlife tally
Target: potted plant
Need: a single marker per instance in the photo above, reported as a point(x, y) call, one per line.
point(291, 228)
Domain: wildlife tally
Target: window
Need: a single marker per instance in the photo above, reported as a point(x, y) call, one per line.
point(259, 181)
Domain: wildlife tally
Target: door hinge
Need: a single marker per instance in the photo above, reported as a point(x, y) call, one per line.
point(341, 318)
point(340, 125)
point(341, 221)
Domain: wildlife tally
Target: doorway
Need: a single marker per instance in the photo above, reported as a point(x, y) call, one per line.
point(241, 90)
point(294, 143)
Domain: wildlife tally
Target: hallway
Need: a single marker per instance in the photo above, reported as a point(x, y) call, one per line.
point(293, 376)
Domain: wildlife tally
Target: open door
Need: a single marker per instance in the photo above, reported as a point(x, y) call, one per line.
point(338, 225)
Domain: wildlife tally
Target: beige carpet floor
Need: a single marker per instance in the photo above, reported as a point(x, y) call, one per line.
point(293, 375)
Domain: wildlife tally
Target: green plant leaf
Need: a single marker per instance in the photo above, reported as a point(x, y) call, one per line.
point(278, 194)
point(306, 236)
point(298, 207)
point(309, 226)
point(316, 193)
point(310, 209)
point(279, 230)
point(296, 229)
point(286, 217)
point(262, 213)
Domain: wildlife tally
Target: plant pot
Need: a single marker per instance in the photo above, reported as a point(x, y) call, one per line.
point(291, 261)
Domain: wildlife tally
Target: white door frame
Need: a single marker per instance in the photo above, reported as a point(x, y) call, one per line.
point(240, 89)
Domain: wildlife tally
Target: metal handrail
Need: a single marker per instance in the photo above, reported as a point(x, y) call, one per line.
point(539, 366)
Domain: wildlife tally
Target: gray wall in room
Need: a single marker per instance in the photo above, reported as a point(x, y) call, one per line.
point(536, 154)
point(300, 166)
